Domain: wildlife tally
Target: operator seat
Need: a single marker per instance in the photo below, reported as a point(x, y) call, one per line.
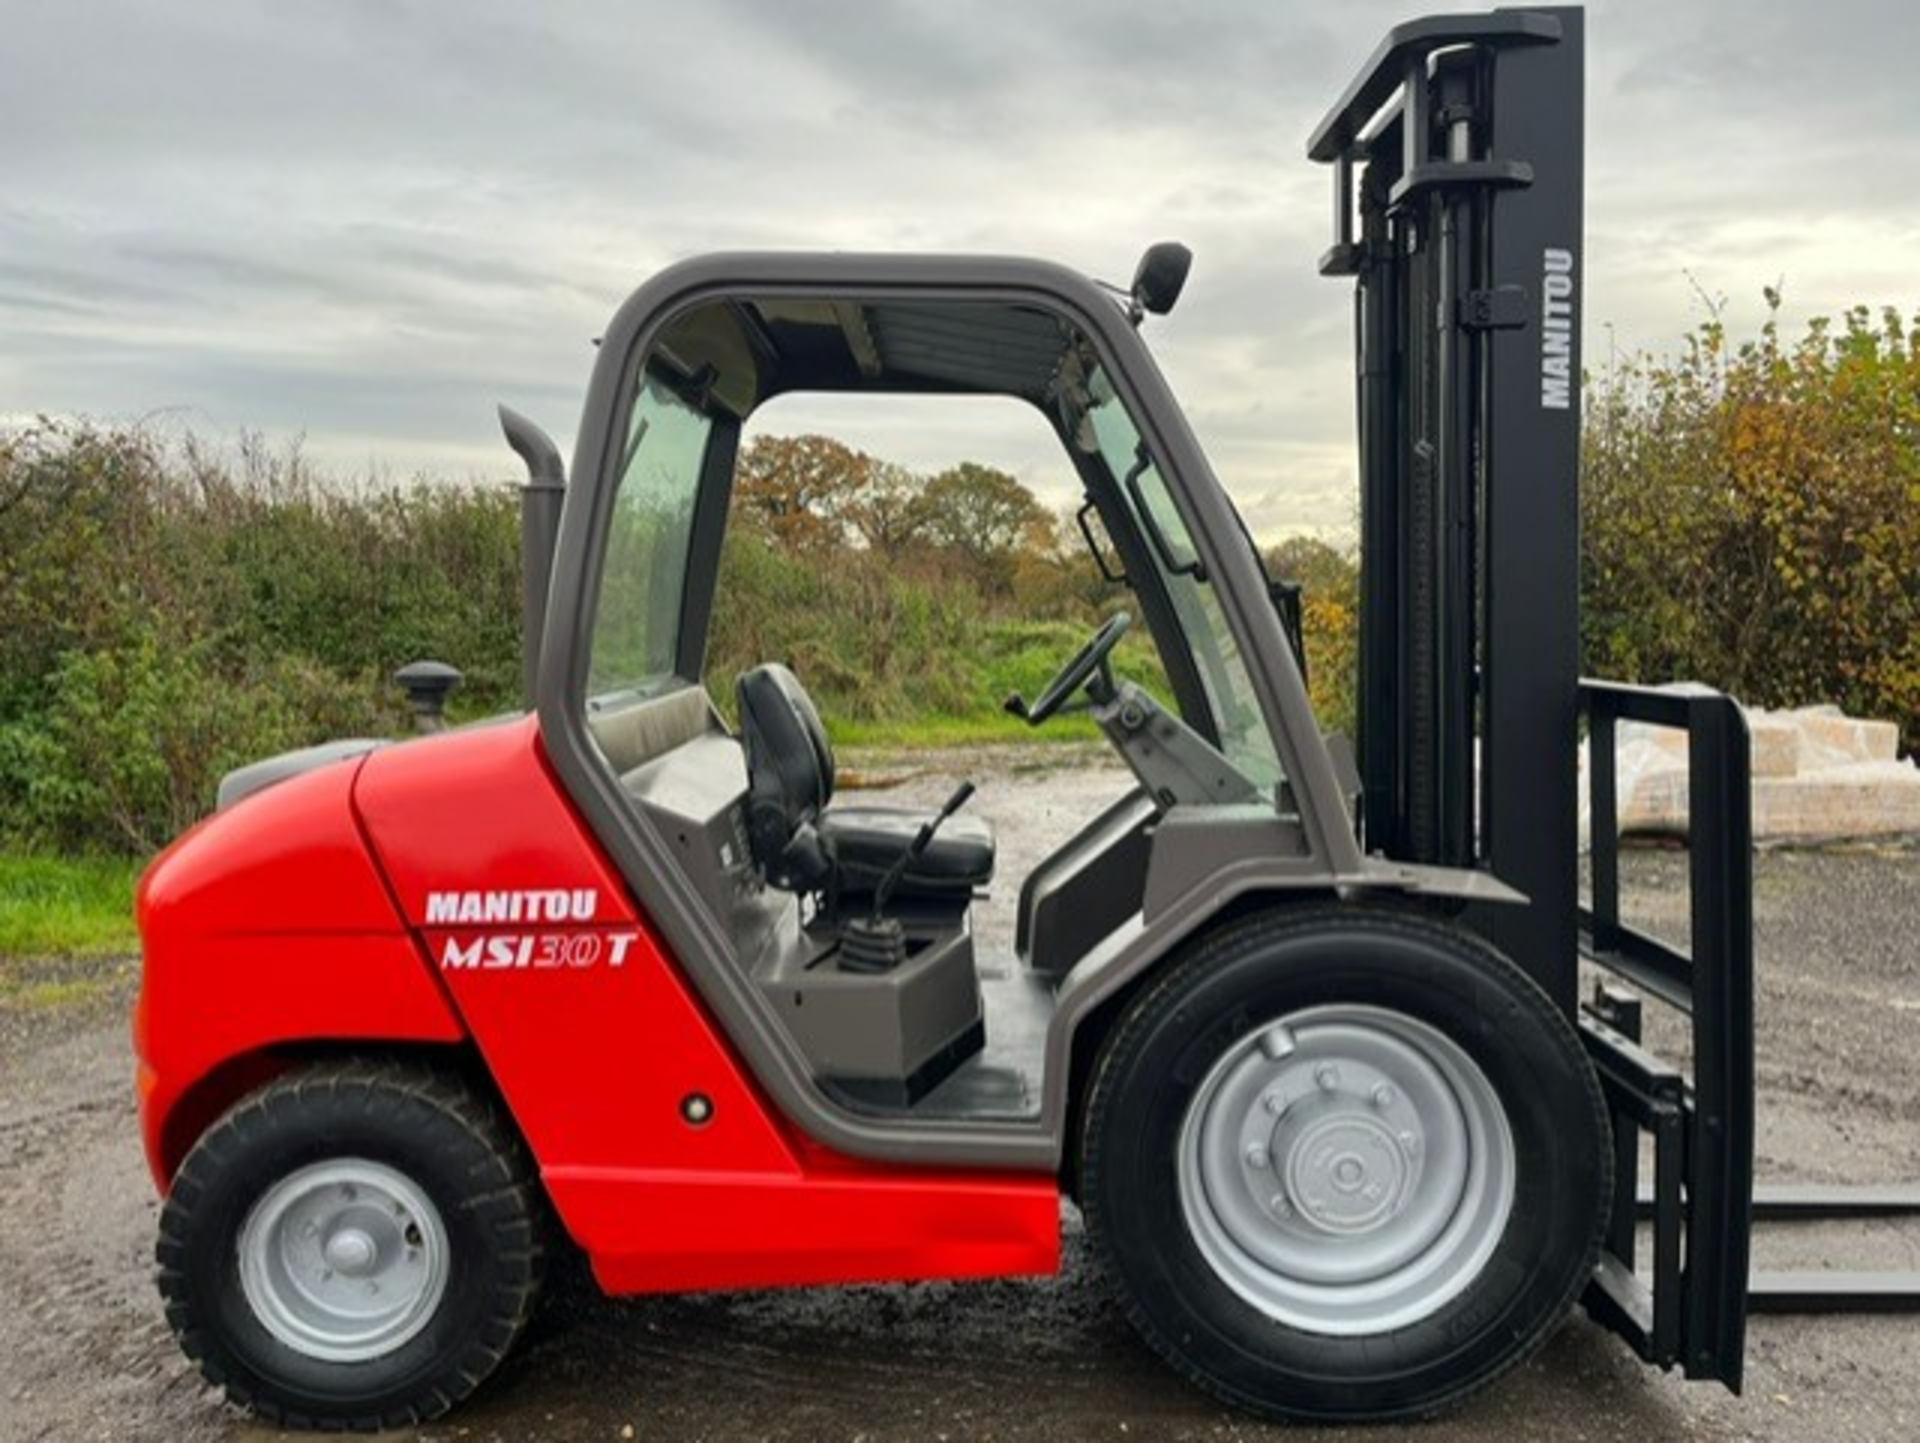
point(843, 852)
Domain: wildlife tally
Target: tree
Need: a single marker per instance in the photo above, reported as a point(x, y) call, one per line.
point(983, 516)
point(883, 508)
point(1314, 566)
point(795, 490)
point(1751, 516)
point(1055, 578)
point(1329, 582)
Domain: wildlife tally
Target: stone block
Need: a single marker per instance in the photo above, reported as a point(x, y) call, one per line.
point(1839, 740)
point(1818, 776)
point(1776, 745)
point(1848, 803)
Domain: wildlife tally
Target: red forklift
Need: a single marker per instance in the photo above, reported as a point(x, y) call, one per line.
point(1294, 1024)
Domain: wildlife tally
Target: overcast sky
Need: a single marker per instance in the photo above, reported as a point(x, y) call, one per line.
point(365, 221)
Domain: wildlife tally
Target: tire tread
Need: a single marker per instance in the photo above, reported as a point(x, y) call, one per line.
point(510, 1211)
point(1221, 949)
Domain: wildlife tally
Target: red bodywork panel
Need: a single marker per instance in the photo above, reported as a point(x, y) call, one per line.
point(267, 925)
point(515, 931)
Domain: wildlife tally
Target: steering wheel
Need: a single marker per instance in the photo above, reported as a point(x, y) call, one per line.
point(1090, 659)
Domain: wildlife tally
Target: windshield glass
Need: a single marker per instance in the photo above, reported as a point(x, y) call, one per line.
point(636, 625)
point(1243, 730)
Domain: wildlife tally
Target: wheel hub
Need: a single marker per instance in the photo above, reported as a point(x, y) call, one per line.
point(344, 1260)
point(351, 1251)
point(1347, 1171)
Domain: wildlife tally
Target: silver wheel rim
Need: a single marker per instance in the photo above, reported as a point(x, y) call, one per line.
point(344, 1261)
point(1346, 1170)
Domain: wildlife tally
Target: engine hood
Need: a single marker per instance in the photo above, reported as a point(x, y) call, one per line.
point(269, 925)
point(471, 826)
point(243, 782)
point(288, 859)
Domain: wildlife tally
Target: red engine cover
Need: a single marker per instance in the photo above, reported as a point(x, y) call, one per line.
point(266, 925)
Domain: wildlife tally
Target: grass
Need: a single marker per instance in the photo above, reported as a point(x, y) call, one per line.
point(66, 906)
point(1013, 656)
point(985, 728)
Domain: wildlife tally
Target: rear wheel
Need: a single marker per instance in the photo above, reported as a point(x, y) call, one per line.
point(1345, 1165)
point(353, 1246)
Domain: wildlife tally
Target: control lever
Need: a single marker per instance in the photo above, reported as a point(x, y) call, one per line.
point(883, 893)
point(878, 943)
point(1016, 705)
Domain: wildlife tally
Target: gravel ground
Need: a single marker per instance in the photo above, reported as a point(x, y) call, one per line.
point(85, 1354)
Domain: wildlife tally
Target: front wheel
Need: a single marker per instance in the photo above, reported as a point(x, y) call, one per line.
point(1345, 1165)
point(355, 1245)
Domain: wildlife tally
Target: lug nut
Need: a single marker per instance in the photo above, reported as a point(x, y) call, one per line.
point(1258, 1156)
point(1274, 1102)
point(1327, 1076)
point(1280, 1206)
point(1383, 1095)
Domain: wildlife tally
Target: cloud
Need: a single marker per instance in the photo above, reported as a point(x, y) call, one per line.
point(365, 221)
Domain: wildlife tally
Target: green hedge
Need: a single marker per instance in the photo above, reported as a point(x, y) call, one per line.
point(1751, 519)
point(166, 614)
point(1751, 516)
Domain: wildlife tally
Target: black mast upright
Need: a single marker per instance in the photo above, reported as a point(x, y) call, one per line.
point(1459, 153)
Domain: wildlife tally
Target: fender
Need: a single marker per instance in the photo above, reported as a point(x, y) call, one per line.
point(267, 925)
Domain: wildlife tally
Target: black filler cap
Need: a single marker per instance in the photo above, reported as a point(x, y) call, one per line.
point(428, 684)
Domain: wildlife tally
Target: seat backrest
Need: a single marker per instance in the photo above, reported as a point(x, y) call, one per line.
point(789, 776)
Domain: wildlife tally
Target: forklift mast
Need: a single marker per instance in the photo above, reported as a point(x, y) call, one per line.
point(1458, 214)
point(1457, 172)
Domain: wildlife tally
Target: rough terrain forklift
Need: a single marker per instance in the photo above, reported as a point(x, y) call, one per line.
point(1293, 1024)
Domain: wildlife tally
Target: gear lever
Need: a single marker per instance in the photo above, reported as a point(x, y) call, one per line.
point(876, 942)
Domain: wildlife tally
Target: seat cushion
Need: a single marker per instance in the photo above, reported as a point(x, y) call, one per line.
point(866, 841)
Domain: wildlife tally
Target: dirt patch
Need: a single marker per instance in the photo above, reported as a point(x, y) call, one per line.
point(84, 1352)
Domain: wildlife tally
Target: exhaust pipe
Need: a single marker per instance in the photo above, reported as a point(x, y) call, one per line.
point(540, 502)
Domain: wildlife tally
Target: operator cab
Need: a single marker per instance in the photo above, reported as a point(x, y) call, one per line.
point(852, 926)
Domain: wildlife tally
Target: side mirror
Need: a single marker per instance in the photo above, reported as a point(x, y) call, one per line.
point(1285, 596)
point(1159, 278)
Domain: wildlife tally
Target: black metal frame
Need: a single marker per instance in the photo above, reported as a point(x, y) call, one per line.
point(1691, 1308)
point(1826, 1290)
point(1711, 1119)
point(1457, 170)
